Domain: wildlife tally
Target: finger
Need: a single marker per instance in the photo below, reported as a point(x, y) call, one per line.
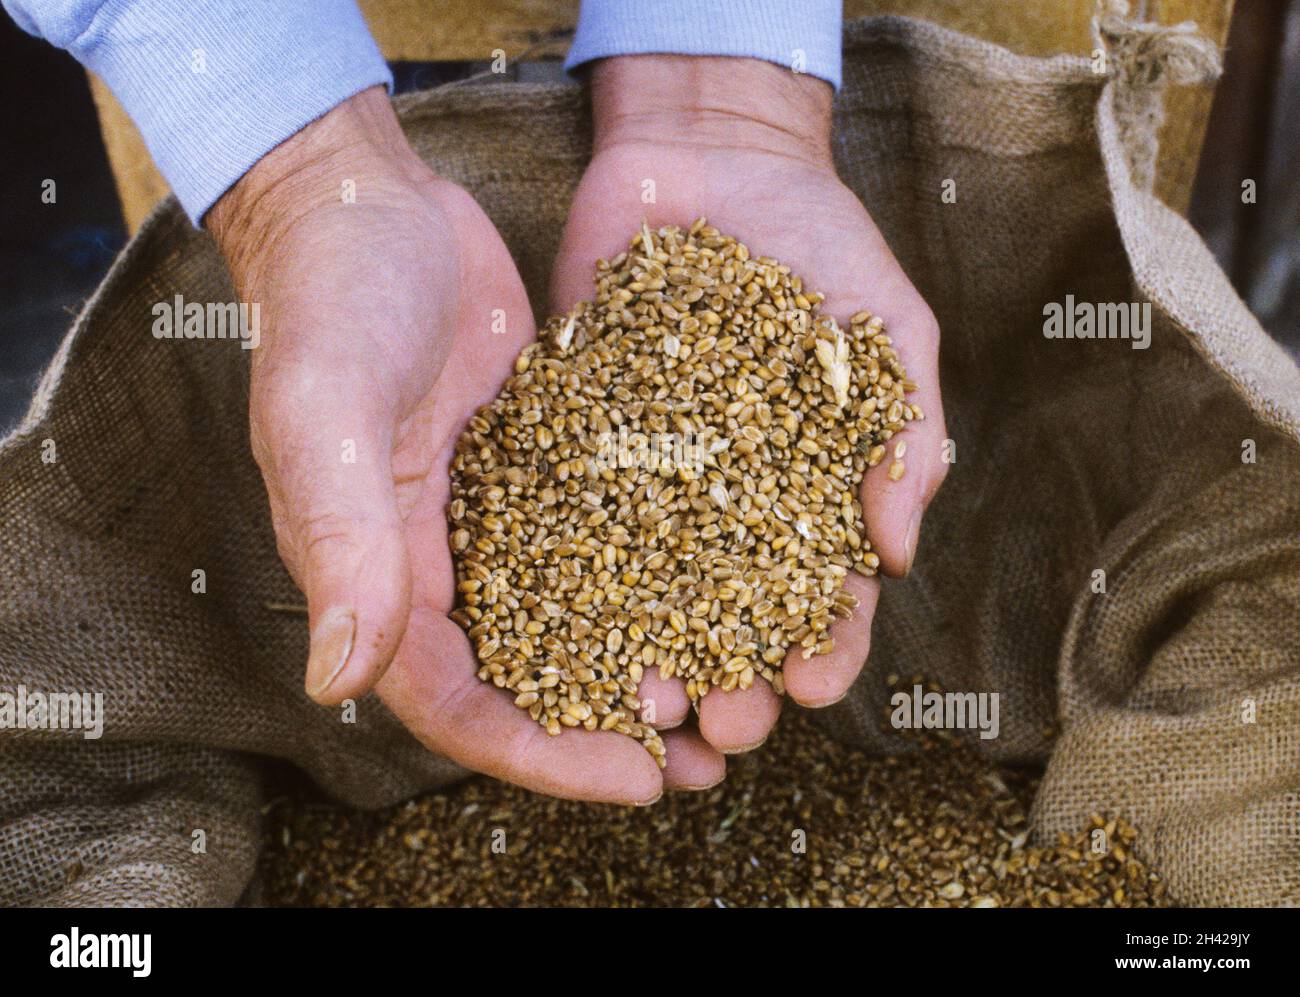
point(893, 509)
point(873, 279)
point(664, 703)
point(570, 282)
point(326, 457)
point(826, 678)
point(585, 240)
point(592, 235)
point(693, 764)
point(739, 720)
point(433, 690)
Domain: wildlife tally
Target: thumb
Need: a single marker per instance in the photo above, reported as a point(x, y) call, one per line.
point(341, 536)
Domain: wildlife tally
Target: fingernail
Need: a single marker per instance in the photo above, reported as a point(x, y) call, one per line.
point(651, 802)
point(749, 747)
point(331, 646)
point(826, 702)
point(697, 789)
point(913, 537)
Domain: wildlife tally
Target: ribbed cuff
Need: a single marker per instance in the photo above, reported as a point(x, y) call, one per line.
point(213, 86)
point(802, 35)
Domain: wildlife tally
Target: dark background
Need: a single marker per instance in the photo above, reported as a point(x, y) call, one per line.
point(53, 256)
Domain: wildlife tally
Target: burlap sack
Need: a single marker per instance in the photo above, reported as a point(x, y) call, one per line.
point(1073, 456)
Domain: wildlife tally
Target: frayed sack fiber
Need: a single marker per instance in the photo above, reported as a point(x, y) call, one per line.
point(1073, 456)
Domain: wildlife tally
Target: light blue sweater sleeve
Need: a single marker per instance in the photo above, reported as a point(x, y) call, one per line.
point(802, 35)
point(213, 85)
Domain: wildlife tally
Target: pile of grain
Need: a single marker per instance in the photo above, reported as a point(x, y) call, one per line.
point(938, 828)
point(670, 481)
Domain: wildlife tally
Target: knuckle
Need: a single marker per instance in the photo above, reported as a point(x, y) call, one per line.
point(518, 755)
point(926, 330)
point(286, 548)
point(940, 475)
point(322, 533)
point(279, 395)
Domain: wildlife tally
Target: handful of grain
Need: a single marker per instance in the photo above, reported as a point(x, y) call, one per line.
point(669, 481)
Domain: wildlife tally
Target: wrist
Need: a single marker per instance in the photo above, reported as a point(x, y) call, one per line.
point(359, 140)
point(711, 100)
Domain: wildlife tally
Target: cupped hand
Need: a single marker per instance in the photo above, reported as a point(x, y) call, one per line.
point(390, 311)
point(746, 144)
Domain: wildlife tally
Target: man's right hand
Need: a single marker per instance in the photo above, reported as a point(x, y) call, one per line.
point(377, 345)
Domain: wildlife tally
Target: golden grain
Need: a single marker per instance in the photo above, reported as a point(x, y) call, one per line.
point(718, 536)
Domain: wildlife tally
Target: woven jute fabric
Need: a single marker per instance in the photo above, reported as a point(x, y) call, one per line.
point(1171, 697)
